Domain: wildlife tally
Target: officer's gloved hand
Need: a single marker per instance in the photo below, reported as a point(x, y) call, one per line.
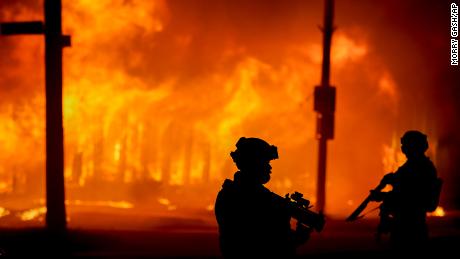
point(388, 179)
point(377, 195)
point(302, 233)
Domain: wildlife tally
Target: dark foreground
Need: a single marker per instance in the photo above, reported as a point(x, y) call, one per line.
point(190, 238)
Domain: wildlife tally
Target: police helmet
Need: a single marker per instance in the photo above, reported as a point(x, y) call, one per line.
point(248, 149)
point(415, 141)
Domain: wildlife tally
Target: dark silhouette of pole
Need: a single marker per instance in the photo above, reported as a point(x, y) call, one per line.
point(54, 42)
point(324, 105)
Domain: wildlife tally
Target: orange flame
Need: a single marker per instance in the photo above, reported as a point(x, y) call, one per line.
point(3, 212)
point(32, 214)
point(136, 133)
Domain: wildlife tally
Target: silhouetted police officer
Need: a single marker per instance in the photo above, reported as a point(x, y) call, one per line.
point(251, 222)
point(415, 192)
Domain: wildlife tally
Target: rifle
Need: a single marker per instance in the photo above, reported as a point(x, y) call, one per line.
point(299, 209)
point(355, 215)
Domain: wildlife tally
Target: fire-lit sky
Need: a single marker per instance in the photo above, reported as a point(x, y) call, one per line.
point(160, 91)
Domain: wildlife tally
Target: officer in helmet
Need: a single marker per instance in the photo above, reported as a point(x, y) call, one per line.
point(251, 223)
point(415, 191)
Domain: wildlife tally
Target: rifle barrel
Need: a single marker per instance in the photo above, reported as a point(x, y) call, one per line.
point(363, 204)
point(360, 209)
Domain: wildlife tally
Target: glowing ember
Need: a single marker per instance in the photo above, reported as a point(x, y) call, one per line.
point(35, 213)
point(32, 214)
point(167, 203)
point(117, 204)
point(164, 201)
point(4, 212)
point(439, 212)
point(112, 204)
point(5, 187)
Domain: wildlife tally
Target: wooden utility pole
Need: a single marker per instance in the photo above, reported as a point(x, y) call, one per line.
point(54, 42)
point(324, 105)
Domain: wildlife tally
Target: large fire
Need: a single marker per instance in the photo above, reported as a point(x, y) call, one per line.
point(155, 99)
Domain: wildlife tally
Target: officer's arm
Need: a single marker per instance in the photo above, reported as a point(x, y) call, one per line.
point(377, 194)
point(388, 179)
point(301, 234)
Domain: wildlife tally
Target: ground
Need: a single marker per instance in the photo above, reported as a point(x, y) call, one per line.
point(167, 236)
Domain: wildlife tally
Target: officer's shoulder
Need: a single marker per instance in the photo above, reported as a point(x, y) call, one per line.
point(228, 184)
point(230, 192)
point(429, 162)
